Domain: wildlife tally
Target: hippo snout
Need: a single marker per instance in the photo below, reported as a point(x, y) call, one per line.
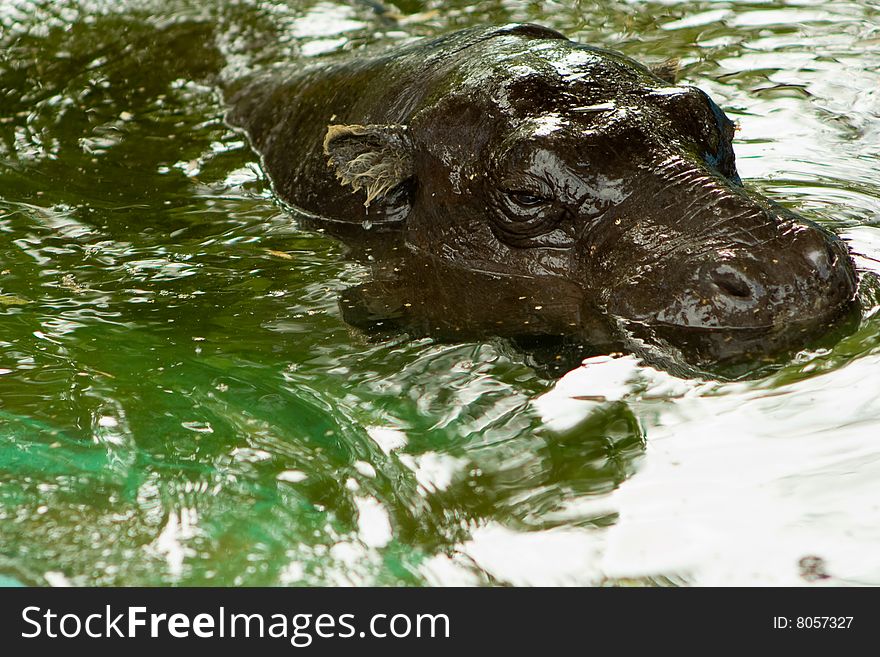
point(803, 281)
point(735, 303)
point(809, 282)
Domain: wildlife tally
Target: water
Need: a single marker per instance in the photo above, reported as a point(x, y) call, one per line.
point(181, 402)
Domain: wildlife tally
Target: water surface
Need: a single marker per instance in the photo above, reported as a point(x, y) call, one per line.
point(181, 402)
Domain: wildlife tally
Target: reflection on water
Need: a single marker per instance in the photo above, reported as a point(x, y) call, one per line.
point(182, 402)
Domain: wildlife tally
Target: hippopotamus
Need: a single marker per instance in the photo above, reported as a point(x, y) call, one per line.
point(544, 184)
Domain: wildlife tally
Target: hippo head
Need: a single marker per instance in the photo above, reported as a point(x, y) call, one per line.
point(533, 156)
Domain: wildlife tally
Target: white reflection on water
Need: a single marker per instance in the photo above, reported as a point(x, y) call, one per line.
point(739, 484)
point(738, 487)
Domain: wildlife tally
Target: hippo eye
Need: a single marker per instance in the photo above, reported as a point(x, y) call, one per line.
point(526, 199)
point(523, 217)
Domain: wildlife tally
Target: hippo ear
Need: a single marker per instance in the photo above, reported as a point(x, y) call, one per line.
point(376, 158)
point(668, 70)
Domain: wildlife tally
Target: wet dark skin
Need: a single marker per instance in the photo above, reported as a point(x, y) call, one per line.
point(519, 183)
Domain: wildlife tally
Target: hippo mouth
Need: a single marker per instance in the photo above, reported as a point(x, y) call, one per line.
point(720, 346)
point(783, 324)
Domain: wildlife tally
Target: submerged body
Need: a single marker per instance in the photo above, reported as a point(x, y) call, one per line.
point(581, 193)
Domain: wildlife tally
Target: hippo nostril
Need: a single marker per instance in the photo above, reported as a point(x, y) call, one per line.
point(732, 282)
point(833, 255)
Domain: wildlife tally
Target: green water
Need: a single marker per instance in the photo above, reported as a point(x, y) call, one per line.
point(181, 402)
